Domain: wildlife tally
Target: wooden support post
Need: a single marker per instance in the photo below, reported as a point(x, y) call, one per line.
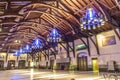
point(37, 55)
point(68, 53)
point(70, 47)
point(95, 44)
point(38, 60)
point(53, 52)
point(43, 54)
point(27, 57)
point(88, 48)
point(7, 54)
point(67, 50)
point(57, 3)
point(117, 34)
point(32, 57)
point(83, 42)
point(17, 58)
point(98, 51)
point(48, 55)
point(73, 44)
point(40, 57)
point(63, 46)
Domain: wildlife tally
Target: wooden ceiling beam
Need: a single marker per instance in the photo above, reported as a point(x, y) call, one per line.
point(60, 23)
point(54, 26)
point(5, 23)
point(52, 7)
point(104, 4)
point(51, 15)
point(29, 22)
point(3, 16)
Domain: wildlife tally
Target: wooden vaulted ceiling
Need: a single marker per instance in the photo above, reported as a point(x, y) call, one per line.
point(26, 20)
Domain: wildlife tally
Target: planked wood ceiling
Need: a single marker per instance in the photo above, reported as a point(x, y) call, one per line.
point(25, 20)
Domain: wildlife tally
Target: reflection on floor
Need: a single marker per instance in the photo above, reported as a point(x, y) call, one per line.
point(33, 74)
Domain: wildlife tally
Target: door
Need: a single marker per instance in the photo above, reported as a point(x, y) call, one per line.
point(82, 63)
point(21, 64)
point(11, 64)
point(1, 64)
point(95, 65)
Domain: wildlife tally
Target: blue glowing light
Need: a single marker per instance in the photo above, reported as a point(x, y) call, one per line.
point(27, 48)
point(54, 36)
point(54, 33)
point(21, 51)
point(16, 53)
point(90, 14)
point(92, 20)
point(37, 43)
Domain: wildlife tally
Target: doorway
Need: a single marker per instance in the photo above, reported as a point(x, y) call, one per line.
point(21, 64)
point(82, 63)
point(51, 64)
point(1, 64)
point(63, 66)
point(11, 64)
point(95, 65)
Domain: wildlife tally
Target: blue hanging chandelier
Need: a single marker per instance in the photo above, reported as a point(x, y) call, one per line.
point(16, 54)
point(27, 49)
point(37, 44)
point(92, 20)
point(54, 36)
point(21, 51)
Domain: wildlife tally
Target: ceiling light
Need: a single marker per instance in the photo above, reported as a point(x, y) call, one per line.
point(92, 20)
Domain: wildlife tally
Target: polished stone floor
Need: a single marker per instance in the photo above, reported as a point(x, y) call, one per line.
point(33, 74)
